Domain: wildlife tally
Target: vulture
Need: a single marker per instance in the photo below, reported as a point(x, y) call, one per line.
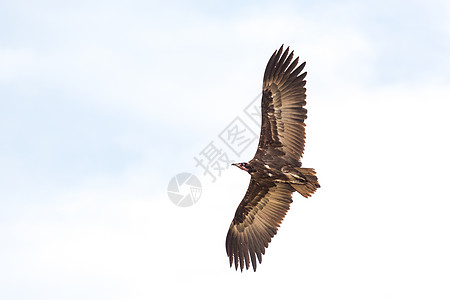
point(276, 171)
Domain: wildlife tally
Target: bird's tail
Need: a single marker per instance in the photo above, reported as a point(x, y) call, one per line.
point(310, 185)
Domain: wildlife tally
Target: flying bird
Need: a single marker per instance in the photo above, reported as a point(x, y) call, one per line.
point(276, 171)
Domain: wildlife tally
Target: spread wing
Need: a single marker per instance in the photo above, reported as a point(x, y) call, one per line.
point(256, 221)
point(282, 108)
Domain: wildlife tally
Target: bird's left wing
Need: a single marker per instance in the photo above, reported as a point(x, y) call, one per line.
point(256, 221)
point(282, 108)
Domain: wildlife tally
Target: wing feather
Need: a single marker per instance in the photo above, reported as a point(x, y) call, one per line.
point(282, 107)
point(256, 221)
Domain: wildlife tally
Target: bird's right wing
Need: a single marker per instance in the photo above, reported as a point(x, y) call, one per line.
point(256, 221)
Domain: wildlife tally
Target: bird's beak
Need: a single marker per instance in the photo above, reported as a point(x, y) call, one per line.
point(234, 165)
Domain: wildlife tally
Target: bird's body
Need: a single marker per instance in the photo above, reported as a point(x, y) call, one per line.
point(275, 170)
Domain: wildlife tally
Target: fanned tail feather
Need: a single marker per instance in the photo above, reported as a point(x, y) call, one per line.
point(311, 185)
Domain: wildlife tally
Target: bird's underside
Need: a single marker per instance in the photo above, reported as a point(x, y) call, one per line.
point(275, 170)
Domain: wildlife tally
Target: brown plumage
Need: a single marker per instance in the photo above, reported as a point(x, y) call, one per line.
point(275, 169)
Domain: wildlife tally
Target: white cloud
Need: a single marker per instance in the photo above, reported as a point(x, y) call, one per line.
point(375, 222)
point(373, 230)
point(13, 63)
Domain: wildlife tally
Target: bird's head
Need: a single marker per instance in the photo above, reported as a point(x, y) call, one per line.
point(245, 166)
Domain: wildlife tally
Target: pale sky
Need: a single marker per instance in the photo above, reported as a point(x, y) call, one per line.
point(102, 103)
